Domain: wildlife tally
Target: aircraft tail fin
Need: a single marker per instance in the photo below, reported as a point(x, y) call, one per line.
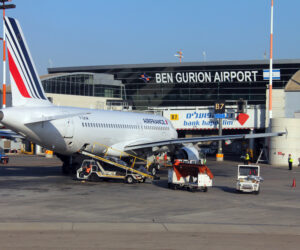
point(26, 86)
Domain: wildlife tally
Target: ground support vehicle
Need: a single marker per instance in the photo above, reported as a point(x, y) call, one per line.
point(190, 176)
point(248, 179)
point(94, 168)
point(3, 158)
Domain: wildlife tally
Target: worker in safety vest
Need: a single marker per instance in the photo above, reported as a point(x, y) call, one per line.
point(247, 158)
point(290, 161)
point(87, 169)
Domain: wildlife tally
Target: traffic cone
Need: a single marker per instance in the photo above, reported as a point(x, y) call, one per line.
point(294, 183)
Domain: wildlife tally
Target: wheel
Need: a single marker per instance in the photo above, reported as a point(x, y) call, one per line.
point(169, 185)
point(257, 192)
point(129, 179)
point(93, 177)
point(205, 189)
point(153, 171)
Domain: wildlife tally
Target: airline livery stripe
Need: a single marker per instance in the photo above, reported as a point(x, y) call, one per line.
point(17, 77)
point(16, 59)
point(27, 58)
point(16, 54)
point(24, 60)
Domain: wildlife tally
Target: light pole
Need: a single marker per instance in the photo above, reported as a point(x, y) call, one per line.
point(3, 7)
point(271, 66)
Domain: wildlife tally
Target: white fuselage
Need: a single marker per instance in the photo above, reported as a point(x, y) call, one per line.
point(98, 129)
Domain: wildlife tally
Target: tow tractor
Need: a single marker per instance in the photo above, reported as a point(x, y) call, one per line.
point(187, 174)
point(248, 179)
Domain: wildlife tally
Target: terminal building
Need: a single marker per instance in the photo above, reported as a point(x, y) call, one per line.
point(182, 92)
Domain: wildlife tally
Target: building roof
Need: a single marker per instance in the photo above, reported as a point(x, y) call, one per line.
point(183, 64)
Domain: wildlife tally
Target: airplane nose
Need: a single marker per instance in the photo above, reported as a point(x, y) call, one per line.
point(1, 115)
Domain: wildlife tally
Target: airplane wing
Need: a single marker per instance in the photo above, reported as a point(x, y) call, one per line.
point(201, 139)
point(9, 134)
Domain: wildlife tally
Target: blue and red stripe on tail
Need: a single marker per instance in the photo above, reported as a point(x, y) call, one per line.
point(26, 85)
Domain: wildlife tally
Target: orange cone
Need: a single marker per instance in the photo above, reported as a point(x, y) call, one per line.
point(294, 183)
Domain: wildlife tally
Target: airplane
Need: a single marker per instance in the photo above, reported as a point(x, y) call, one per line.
point(66, 130)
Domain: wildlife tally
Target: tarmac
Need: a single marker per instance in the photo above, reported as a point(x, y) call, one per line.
point(42, 209)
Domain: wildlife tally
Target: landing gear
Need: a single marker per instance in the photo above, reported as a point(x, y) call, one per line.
point(65, 169)
point(70, 163)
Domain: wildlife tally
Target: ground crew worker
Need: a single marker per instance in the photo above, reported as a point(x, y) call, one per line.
point(247, 159)
point(290, 161)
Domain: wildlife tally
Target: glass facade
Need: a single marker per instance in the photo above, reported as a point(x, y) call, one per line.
point(195, 84)
point(82, 84)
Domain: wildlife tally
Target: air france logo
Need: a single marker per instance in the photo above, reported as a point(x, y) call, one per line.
point(155, 121)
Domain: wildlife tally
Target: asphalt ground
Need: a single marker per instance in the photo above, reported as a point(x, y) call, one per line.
point(45, 210)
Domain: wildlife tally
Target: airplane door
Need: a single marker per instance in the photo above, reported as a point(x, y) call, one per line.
point(69, 128)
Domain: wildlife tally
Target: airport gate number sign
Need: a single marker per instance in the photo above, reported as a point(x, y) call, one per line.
point(220, 109)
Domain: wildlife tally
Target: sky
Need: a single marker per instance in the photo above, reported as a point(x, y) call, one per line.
point(63, 33)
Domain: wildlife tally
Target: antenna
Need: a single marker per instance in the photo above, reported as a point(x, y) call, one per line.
point(204, 56)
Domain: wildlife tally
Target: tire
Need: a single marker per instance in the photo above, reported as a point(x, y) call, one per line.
point(93, 177)
point(205, 189)
point(153, 171)
point(129, 179)
point(257, 192)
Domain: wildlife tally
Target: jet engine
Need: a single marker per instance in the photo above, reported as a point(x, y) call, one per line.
point(189, 152)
